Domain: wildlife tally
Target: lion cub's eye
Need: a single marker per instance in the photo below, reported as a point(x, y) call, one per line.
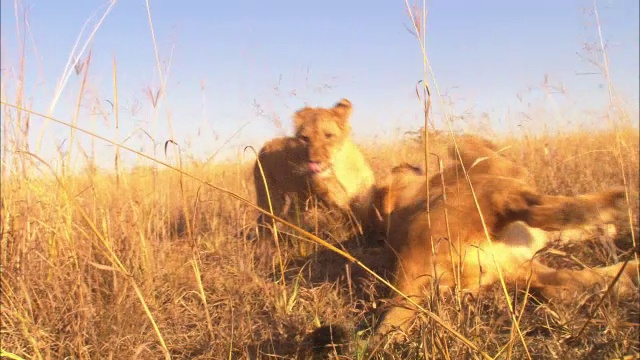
point(304, 138)
point(328, 136)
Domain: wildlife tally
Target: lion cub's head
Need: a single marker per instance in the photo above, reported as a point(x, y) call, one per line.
point(323, 131)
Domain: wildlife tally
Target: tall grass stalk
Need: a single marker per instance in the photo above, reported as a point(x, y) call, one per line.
point(308, 236)
point(429, 74)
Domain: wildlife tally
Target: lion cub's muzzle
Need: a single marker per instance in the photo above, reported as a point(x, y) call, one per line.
point(318, 168)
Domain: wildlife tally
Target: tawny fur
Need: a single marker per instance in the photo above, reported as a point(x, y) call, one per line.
point(321, 161)
point(449, 243)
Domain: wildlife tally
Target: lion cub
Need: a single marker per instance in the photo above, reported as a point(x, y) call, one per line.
point(449, 244)
point(321, 161)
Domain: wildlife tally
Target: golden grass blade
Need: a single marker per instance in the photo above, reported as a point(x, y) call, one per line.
point(309, 236)
point(116, 113)
point(503, 284)
point(118, 265)
point(72, 134)
point(273, 223)
point(604, 296)
point(70, 69)
point(8, 355)
point(613, 100)
point(198, 276)
point(419, 29)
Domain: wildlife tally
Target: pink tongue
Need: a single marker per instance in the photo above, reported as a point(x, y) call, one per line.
point(314, 167)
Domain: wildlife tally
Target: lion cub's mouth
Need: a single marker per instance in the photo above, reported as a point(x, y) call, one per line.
point(317, 168)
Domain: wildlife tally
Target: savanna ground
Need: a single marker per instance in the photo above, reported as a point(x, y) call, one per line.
point(151, 263)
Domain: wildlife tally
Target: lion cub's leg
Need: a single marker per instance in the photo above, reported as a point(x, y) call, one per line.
point(333, 194)
point(410, 280)
point(563, 212)
point(330, 190)
point(264, 222)
point(570, 219)
point(563, 283)
point(369, 218)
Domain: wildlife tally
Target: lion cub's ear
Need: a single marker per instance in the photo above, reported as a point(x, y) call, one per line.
point(343, 109)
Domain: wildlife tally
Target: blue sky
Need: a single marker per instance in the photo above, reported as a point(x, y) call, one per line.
point(262, 60)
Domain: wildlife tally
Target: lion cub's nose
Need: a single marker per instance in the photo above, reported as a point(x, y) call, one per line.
point(315, 167)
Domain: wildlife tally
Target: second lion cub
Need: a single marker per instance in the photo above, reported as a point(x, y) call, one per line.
point(449, 244)
point(322, 161)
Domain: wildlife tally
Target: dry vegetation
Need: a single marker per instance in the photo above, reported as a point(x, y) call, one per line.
point(150, 263)
point(84, 255)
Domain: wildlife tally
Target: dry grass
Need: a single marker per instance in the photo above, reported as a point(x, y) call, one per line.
point(147, 263)
point(83, 256)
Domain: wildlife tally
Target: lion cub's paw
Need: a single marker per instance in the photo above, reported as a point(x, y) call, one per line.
point(627, 284)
